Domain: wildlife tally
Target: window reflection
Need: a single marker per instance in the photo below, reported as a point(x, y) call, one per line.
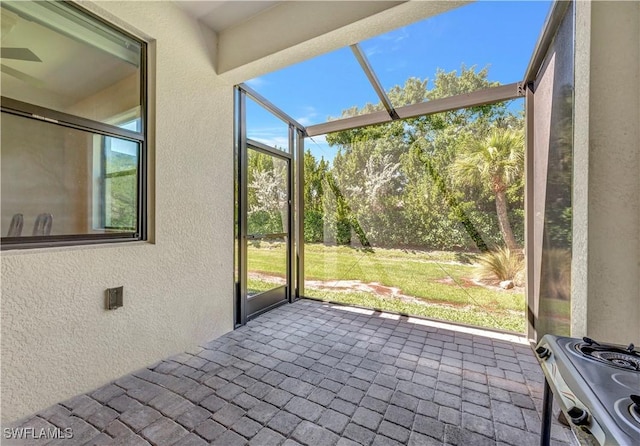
point(65, 61)
point(87, 183)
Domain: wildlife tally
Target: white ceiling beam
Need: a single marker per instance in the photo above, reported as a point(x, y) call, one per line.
point(288, 24)
point(294, 31)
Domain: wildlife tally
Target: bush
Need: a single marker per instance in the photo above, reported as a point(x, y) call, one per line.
point(313, 226)
point(502, 264)
point(343, 231)
point(263, 222)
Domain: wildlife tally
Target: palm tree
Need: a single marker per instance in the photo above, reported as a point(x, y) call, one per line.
point(495, 161)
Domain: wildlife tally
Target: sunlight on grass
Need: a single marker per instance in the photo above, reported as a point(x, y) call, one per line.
point(430, 284)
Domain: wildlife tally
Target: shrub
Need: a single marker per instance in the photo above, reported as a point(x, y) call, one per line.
point(313, 226)
point(502, 264)
point(343, 231)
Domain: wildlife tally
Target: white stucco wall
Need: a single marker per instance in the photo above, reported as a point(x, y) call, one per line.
point(580, 197)
point(57, 338)
point(607, 193)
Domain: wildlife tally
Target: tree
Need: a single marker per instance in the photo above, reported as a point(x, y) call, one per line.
point(495, 162)
point(366, 172)
point(396, 175)
point(266, 194)
point(314, 190)
point(391, 184)
point(345, 217)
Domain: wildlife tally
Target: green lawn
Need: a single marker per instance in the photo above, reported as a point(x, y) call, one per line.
point(441, 280)
point(554, 316)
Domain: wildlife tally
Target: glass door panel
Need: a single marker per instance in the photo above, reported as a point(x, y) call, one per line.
point(268, 214)
point(266, 263)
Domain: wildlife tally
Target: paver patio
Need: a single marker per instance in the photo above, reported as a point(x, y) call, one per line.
point(318, 374)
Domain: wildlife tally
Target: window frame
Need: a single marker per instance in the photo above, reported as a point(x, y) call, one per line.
point(36, 112)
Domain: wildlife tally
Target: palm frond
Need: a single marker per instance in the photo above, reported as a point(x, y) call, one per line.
point(498, 155)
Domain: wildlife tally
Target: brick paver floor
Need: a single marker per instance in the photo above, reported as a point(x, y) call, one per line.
point(317, 374)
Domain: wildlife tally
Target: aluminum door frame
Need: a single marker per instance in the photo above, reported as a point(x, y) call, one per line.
point(279, 294)
point(242, 308)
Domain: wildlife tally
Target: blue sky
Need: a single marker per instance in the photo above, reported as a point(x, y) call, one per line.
point(497, 34)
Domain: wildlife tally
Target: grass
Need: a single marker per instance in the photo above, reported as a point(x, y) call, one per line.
point(438, 279)
point(554, 316)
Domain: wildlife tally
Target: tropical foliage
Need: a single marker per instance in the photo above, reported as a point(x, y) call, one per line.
point(494, 162)
point(452, 180)
point(502, 264)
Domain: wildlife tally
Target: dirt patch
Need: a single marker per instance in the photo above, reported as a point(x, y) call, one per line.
point(375, 288)
point(276, 280)
point(467, 282)
point(464, 282)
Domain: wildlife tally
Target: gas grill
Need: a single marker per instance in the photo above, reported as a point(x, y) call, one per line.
point(597, 387)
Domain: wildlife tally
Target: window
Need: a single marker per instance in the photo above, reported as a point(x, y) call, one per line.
point(73, 144)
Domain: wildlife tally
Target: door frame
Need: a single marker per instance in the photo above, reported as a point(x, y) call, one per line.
point(243, 312)
point(280, 294)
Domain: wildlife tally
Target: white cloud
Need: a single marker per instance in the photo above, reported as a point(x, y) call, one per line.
point(320, 139)
point(372, 51)
point(397, 65)
point(256, 82)
point(309, 112)
point(271, 136)
point(395, 36)
point(387, 43)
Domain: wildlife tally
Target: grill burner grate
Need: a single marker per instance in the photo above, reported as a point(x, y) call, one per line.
point(635, 413)
point(613, 356)
point(623, 360)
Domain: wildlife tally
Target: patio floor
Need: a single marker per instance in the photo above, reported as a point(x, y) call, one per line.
point(318, 374)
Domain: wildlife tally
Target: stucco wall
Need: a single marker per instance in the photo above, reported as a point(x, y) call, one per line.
point(607, 205)
point(57, 338)
point(580, 198)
